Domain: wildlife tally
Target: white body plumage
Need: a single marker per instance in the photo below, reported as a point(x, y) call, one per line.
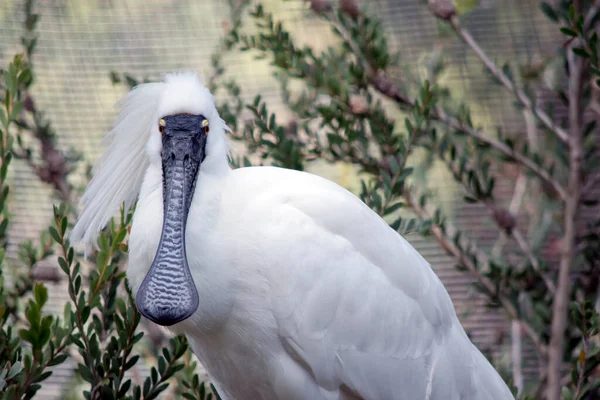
point(305, 293)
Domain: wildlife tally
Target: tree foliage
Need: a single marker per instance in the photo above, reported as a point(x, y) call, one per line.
point(100, 329)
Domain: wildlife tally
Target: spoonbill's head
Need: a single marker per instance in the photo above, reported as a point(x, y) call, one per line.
point(172, 127)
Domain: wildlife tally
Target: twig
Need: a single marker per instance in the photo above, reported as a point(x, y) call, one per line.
point(506, 81)
point(561, 300)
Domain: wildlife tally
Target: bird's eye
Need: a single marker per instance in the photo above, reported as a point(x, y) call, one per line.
point(161, 126)
point(205, 126)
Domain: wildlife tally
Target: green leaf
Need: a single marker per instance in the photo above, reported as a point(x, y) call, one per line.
point(157, 391)
point(568, 31)
point(405, 173)
point(393, 208)
point(55, 235)
point(154, 375)
point(394, 166)
point(124, 388)
point(176, 368)
point(549, 11)
point(42, 376)
point(9, 82)
point(14, 370)
point(409, 126)
point(16, 110)
point(581, 52)
point(470, 199)
point(24, 76)
point(59, 359)
point(85, 373)
point(3, 118)
point(571, 11)
point(3, 226)
point(63, 265)
point(41, 294)
point(131, 362)
point(162, 365)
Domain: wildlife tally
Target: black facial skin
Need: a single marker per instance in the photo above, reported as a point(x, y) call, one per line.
point(168, 294)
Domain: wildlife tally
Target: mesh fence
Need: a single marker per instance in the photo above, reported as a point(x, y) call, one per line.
point(81, 42)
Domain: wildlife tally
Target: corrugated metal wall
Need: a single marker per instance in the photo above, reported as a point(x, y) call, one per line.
point(81, 41)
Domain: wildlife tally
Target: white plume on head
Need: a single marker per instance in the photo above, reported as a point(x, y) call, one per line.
point(119, 173)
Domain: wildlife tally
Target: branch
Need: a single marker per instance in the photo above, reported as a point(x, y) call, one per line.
point(561, 300)
point(386, 86)
point(506, 81)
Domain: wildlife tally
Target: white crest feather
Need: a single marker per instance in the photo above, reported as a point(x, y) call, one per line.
point(119, 173)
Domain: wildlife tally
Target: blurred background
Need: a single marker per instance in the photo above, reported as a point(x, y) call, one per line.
point(82, 42)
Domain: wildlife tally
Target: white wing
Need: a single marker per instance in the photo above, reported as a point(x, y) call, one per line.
point(357, 305)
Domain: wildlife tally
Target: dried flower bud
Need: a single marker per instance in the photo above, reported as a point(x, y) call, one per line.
point(319, 5)
point(358, 105)
point(350, 8)
point(504, 219)
point(28, 104)
point(443, 9)
point(386, 86)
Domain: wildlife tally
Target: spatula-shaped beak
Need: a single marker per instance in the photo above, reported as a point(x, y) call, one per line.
point(168, 294)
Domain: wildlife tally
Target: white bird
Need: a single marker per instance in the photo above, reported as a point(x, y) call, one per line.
point(286, 285)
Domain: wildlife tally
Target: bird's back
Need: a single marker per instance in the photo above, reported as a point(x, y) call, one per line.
point(354, 303)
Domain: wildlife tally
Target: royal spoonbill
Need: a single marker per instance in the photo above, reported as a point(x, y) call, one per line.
point(286, 285)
